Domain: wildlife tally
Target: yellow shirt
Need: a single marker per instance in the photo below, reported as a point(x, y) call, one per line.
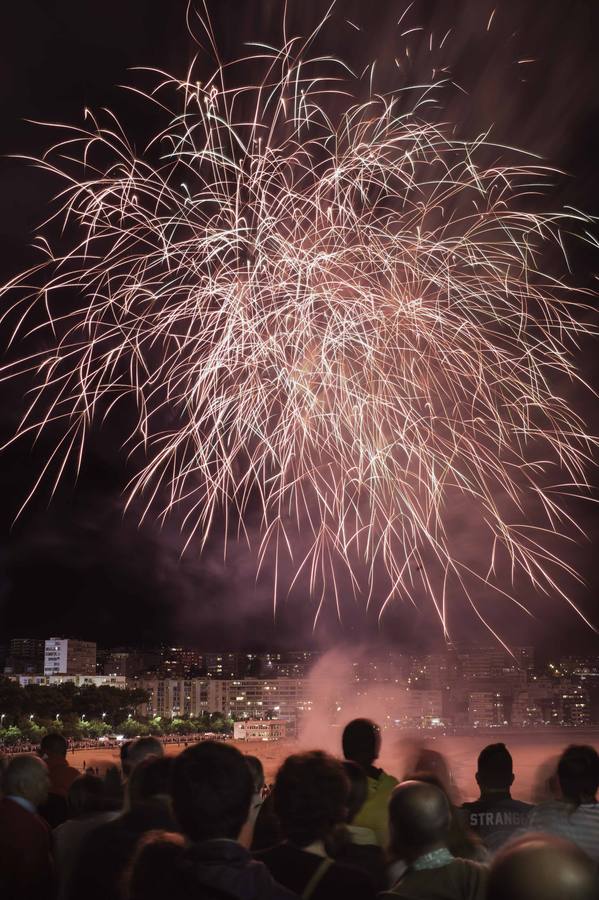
point(374, 814)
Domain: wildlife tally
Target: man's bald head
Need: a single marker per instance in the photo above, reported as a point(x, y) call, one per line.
point(419, 817)
point(541, 867)
point(27, 777)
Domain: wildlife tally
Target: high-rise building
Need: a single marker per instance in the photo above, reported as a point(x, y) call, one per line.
point(487, 709)
point(25, 656)
point(434, 671)
point(224, 665)
point(575, 706)
point(296, 663)
point(181, 662)
point(173, 697)
point(492, 663)
point(418, 708)
point(549, 701)
point(257, 698)
point(67, 656)
point(125, 662)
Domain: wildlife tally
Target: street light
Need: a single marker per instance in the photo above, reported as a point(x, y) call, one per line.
point(31, 717)
point(103, 716)
point(2, 718)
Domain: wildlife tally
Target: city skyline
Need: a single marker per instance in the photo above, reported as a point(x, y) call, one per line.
point(462, 689)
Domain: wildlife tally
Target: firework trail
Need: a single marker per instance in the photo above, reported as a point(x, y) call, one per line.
point(324, 308)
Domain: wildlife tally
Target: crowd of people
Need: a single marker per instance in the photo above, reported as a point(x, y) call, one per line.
point(110, 742)
point(202, 825)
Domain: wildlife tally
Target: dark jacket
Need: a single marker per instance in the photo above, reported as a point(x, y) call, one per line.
point(496, 818)
point(368, 858)
point(229, 868)
point(106, 852)
point(461, 879)
point(295, 868)
point(26, 870)
point(357, 847)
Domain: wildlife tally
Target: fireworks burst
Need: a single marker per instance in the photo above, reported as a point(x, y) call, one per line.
point(326, 309)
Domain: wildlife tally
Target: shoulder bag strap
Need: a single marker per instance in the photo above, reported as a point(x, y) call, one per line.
point(316, 878)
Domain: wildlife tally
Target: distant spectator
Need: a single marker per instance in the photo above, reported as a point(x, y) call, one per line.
point(541, 867)
point(433, 762)
point(420, 817)
point(310, 796)
point(257, 772)
point(353, 844)
point(87, 810)
point(495, 816)
point(545, 786)
point(124, 757)
point(462, 841)
point(107, 851)
point(113, 787)
point(362, 744)
point(3, 765)
point(576, 816)
point(267, 828)
point(53, 750)
point(26, 870)
point(212, 790)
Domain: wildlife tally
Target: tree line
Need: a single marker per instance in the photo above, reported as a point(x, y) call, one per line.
point(27, 713)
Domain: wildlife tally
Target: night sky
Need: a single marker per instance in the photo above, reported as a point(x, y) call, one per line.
point(77, 565)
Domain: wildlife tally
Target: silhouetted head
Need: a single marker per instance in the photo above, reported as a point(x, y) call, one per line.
point(361, 741)
point(86, 795)
point(124, 754)
point(141, 749)
point(428, 778)
point(310, 796)
point(578, 773)
point(150, 781)
point(540, 867)
point(212, 789)
point(358, 788)
point(461, 841)
point(495, 768)
point(53, 746)
point(434, 763)
point(257, 771)
point(26, 776)
point(419, 819)
point(156, 870)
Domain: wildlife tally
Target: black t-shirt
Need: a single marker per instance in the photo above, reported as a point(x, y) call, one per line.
point(294, 868)
point(496, 818)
